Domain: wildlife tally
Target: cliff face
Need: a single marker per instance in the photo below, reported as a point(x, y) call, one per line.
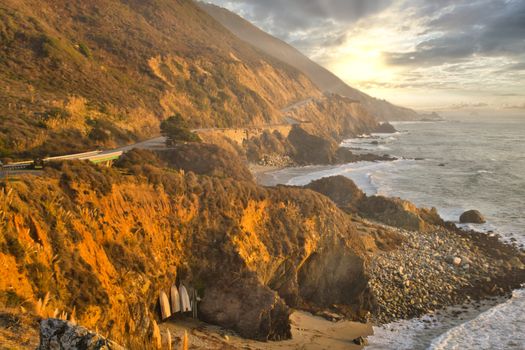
point(77, 74)
point(324, 79)
point(104, 244)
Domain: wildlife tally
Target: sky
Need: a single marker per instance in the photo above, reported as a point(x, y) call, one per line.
point(426, 54)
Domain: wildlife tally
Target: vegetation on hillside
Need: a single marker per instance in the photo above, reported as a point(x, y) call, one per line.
point(176, 130)
point(73, 77)
point(104, 242)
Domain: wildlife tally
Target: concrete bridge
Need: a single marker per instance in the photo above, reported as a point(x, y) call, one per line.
point(239, 135)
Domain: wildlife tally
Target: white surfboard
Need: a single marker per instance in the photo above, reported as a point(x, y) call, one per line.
point(164, 306)
point(185, 303)
point(175, 299)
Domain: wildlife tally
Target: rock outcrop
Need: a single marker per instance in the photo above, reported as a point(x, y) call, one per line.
point(302, 147)
point(245, 306)
point(391, 211)
point(472, 217)
point(58, 334)
point(311, 149)
point(339, 189)
point(399, 213)
point(385, 128)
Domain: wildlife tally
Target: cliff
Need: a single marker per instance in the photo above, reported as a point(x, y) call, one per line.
point(104, 242)
point(323, 78)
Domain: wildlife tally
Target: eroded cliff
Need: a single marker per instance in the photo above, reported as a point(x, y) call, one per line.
point(104, 242)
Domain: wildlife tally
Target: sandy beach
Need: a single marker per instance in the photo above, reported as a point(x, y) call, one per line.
point(309, 332)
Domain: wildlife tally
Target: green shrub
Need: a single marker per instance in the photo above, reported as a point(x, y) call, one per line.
point(176, 130)
point(84, 49)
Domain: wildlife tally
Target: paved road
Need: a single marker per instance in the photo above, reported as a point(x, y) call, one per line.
point(152, 144)
point(296, 105)
point(158, 142)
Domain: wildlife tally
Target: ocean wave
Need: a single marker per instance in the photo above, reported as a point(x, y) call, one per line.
point(362, 173)
point(501, 327)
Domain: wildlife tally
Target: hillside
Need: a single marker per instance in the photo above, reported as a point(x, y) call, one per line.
point(77, 75)
point(324, 79)
point(104, 244)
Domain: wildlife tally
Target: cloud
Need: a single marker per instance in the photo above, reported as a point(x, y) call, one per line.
point(306, 24)
point(445, 52)
point(522, 106)
point(467, 29)
point(517, 66)
point(294, 15)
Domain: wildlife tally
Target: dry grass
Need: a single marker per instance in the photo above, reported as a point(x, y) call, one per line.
point(88, 70)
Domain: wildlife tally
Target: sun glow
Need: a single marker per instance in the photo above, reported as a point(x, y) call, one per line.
point(360, 65)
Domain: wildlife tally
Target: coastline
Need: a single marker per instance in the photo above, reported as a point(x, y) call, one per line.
point(262, 173)
point(466, 295)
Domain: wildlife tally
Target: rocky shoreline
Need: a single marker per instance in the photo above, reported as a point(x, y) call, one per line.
point(430, 271)
point(419, 271)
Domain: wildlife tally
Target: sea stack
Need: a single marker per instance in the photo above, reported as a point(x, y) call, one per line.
point(385, 128)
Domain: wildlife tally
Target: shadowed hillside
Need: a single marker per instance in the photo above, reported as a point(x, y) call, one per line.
point(324, 79)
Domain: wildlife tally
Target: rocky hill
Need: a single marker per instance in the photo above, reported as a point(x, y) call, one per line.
point(76, 74)
point(104, 244)
point(323, 78)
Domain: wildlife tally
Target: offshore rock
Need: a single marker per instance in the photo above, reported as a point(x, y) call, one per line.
point(57, 334)
point(385, 128)
point(472, 217)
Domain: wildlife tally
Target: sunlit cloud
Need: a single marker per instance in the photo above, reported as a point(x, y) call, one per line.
point(413, 52)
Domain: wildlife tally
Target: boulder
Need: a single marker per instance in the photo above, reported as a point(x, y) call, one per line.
point(248, 307)
point(339, 189)
point(360, 341)
point(472, 217)
point(385, 128)
point(60, 334)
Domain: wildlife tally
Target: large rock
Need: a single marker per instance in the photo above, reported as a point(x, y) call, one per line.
point(472, 217)
point(57, 334)
point(339, 189)
point(399, 213)
point(248, 307)
point(385, 128)
point(311, 149)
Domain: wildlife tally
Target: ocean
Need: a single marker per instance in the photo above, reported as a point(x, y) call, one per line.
point(454, 165)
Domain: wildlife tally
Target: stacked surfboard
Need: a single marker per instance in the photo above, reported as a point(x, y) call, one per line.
point(180, 301)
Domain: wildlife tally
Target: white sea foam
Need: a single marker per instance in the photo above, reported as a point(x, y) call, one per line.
point(501, 327)
point(362, 173)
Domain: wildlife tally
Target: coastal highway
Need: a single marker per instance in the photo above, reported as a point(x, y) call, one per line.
point(101, 156)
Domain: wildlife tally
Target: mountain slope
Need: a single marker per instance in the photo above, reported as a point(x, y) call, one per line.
point(77, 75)
point(324, 79)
